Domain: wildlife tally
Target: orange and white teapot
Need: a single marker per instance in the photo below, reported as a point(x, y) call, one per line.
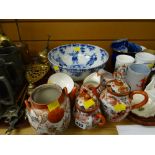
point(87, 111)
point(116, 100)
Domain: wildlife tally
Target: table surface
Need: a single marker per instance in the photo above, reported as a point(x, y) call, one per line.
point(109, 128)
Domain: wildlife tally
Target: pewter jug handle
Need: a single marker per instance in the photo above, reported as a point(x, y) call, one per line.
point(138, 105)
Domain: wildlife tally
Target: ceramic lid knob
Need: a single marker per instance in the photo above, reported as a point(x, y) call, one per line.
point(118, 87)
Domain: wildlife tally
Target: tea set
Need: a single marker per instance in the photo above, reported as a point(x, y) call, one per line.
point(81, 88)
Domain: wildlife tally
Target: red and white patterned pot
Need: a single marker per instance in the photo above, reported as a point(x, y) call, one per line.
point(48, 109)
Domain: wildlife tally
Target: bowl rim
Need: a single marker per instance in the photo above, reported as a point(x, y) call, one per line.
point(49, 59)
point(64, 75)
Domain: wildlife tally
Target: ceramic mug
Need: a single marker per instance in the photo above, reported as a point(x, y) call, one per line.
point(145, 58)
point(137, 76)
point(122, 62)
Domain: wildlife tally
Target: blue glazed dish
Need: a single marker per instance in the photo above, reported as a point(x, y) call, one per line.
point(77, 60)
point(123, 46)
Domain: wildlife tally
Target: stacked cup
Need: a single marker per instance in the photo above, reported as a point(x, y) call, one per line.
point(121, 65)
point(145, 58)
point(135, 74)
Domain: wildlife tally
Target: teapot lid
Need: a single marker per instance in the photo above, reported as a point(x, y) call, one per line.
point(86, 100)
point(118, 87)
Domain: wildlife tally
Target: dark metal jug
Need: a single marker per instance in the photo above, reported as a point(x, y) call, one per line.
point(14, 65)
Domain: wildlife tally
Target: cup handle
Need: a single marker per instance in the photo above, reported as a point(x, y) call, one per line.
point(138, 105)
point(101, 117)
point(28, 105)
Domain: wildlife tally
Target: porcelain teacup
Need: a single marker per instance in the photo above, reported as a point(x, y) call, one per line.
point(64, 80)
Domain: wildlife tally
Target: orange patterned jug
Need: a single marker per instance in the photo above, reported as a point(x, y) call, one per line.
point(48, 109)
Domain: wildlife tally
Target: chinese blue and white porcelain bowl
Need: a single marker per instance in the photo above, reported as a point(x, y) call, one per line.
point(77, 60)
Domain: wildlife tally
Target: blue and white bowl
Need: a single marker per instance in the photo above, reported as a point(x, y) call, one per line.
point(77, 60)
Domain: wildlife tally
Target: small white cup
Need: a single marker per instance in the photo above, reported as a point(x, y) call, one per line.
point(137, 75)
point(145, 58)
point(93, 79)
point(63, 80)
point(122, 62)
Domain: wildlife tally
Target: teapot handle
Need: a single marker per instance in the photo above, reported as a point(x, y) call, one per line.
point(138, 105)
point(102, 118)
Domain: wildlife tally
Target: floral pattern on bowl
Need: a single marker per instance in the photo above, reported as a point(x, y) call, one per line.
point(77, 60)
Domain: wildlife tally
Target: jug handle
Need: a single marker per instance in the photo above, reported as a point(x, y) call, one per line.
point(64, 93)
point(28, 105)
point(73, 93)
point(138, 105)
point(100, 116)
point(6, 82)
